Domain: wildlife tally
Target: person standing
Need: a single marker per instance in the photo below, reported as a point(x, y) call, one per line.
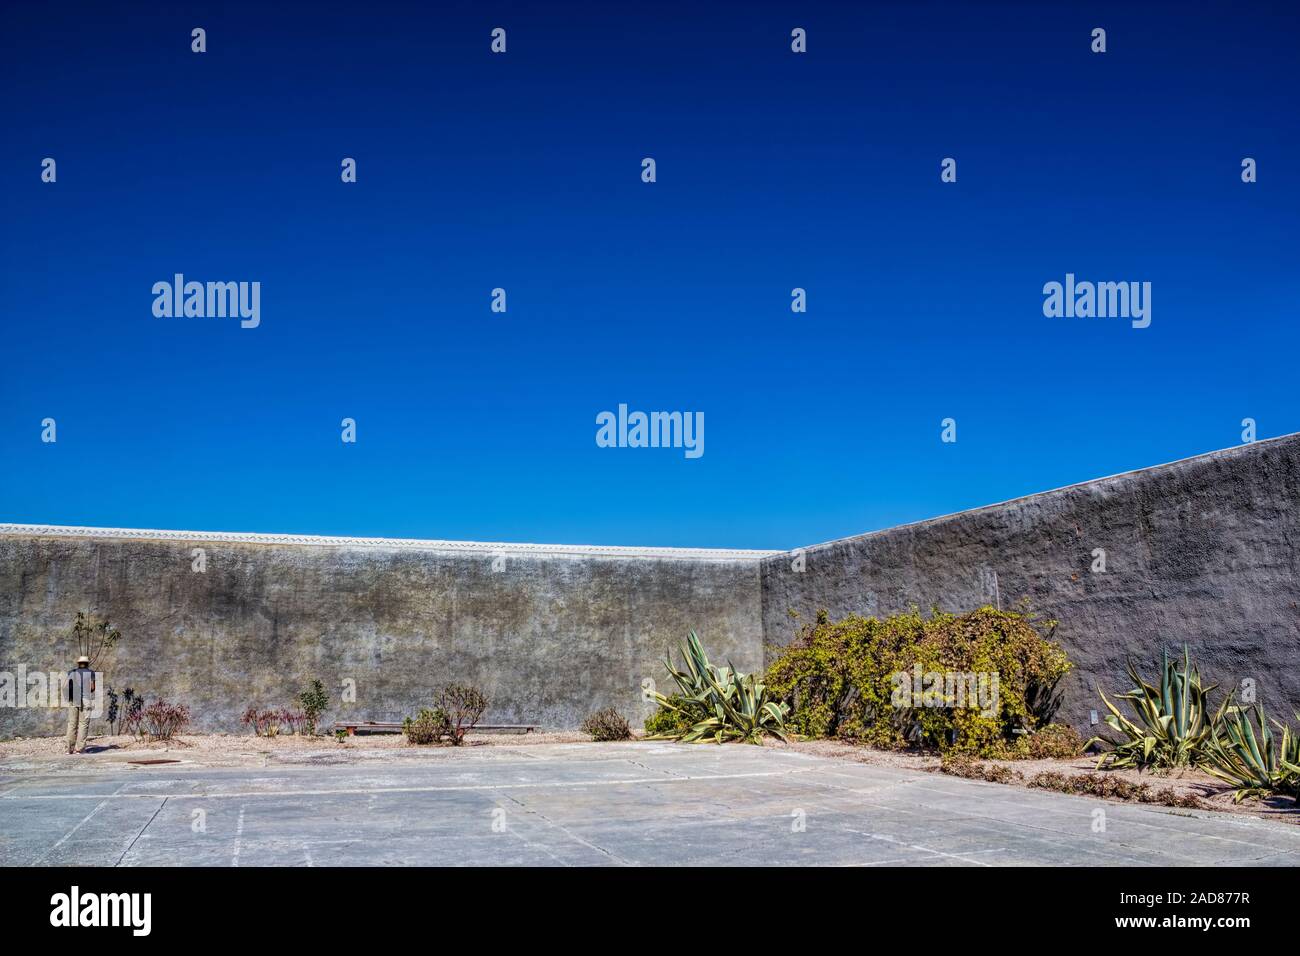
point(81, 697)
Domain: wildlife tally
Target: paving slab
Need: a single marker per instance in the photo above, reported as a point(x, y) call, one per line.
point(630, 804)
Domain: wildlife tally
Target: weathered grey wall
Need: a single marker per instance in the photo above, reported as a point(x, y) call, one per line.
point(549, 638)
point(1204, 551)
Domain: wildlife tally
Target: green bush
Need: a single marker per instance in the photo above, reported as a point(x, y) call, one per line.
point(428, 726)
point(607, 724)
point(668, 721)
point(852, 679)
point(313, 701)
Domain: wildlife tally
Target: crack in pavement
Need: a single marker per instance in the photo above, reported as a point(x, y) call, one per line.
point(566, 831)
point(141, 833)
point(663, 770)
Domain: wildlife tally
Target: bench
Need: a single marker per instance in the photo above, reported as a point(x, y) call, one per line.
point(354, 727)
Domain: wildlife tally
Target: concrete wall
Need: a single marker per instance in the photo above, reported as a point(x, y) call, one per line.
point(553, 635)
point(1204, 551)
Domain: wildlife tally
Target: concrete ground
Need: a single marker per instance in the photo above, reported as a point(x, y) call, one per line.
point(588, 805)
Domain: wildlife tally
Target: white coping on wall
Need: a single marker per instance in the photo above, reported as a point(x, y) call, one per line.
point(570, 550)
point(402, 544)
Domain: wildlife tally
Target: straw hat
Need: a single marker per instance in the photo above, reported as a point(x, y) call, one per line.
point(83, 659)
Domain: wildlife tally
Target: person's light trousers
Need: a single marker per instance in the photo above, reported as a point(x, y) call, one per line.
point(78, 723)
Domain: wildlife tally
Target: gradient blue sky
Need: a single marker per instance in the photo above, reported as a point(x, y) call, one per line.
point(523, 171)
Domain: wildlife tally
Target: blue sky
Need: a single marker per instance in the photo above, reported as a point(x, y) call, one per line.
point(522, 171)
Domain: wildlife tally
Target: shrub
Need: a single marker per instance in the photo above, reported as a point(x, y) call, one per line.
point(669, 721)
point(271, 721)
point(314, 701)
point(295, 720)
point(464, 707)
point(265, 723)
point(132, 708)
point(113, 710)
point(960, 764)
point(1254, 763)
point(1055, 741)
point(1105, 786)
point(162, 720)
point(1174, 727)
point(852, 679)
point(1173, 722)
point(607, 724)
point(427, 727)
point(1113, 788)
point(719, 703)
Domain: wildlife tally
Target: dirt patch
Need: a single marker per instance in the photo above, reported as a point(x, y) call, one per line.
point(1079, 775)
point(233, 750)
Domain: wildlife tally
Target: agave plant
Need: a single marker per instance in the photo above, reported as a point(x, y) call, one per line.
point(720, 703)
point(1253, 763)
point(1173, 724)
